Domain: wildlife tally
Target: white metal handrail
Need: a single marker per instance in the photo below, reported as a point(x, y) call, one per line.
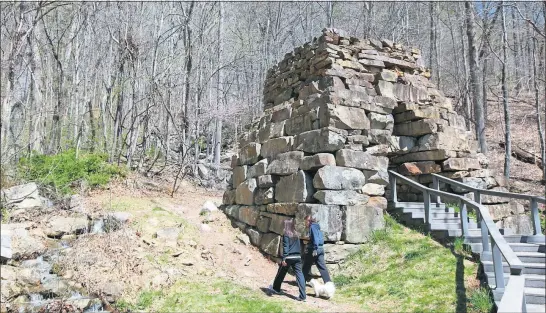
point(499, 247)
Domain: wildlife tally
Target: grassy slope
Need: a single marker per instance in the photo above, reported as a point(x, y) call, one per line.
point(213, 295)
point(401, 270)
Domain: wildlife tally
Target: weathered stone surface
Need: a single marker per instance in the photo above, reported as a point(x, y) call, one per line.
point(470, 181)
point(281, 112)
point(6, 251)
point(500, 211)
point(435, 155)
point(59, 226)
point(297, 187)
point(372, 189)
point(239, 175)
point(334, 253)
point(254, 235)
point(401, 144)
point(445, 140)
point(265, 196)
point(263, 223)
point(232, 210)
point(318, 160)
point(387, 75)
point(265, 181)
point(250, 153)
point(360, 221)
point(336, 177)
point(385, 88)
point(270, 243)
point(379, 136)
point(519, 224)
point(22, 196)
point(416, 128)
point(301, 123)
point(274, 146)
point(343, 117)
point(320, 140)
point(229, 197)
point(271, 130)
point(460, 164)
point(277, 223)
point(381, 121)
point(329, 218)
point(428, 112)
point(286, 163)
point(246, 192)
point(488, 199)
point(257, 169)
point(249, 215)
point(379, 203)
point(377, 177)
point(340, 197)
point(283, 208)
point(419, 168)
point(360, 160)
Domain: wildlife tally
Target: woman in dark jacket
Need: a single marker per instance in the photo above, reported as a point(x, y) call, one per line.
point(291, 258)
point(314, 253)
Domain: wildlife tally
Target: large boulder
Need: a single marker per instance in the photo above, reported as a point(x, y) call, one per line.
point(22, 196)
point(318, 160)
point(343, 117)
point(360, 160)
point(249, 215)
point(59, 226)
point(329, 218)
point(336, 177)
point(285, 163)
point(258, 169)
point(416, 128)
point(250, 153)
point(500, 211)
point(23, 244)
point(283, 208)
point(274, 146)
point(319, 140)
point(419, 168)
point(297, 187)
point(246, 192)
point(519, 224)
point(265, 181)
point(5, 248)
point(265, 196)
point(340, 197)
point(360, 221)
point(240, 174)
point(461, 164)
point(270, 243)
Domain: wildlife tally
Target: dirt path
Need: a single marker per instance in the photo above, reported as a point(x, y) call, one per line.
point(234, 260)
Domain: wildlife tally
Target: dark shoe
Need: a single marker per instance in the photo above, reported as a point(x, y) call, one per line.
point(302, 300)
point(273, 291)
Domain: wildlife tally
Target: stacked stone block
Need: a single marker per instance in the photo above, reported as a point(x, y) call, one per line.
point(339, 112)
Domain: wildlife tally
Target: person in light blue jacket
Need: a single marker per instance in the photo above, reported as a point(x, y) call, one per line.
point(314, 252)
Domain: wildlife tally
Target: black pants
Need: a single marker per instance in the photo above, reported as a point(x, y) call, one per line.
point(295, 264)
point(309, 260)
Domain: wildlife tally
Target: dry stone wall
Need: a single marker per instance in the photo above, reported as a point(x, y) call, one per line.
point(339, 112)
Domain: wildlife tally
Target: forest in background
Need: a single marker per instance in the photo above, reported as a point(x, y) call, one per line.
point(173, 83)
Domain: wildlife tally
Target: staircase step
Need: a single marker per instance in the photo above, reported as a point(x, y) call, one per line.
point(444, 226)
point(530, 268)
point(525, 257)
point(535, 295)
point(409, 205)
point(531, 280)
point(536, 308)
point(436, 214)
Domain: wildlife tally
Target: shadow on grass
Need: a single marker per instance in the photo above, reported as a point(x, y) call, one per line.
point(460, 288)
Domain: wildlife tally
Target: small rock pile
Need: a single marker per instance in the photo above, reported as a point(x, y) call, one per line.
point(339, 113)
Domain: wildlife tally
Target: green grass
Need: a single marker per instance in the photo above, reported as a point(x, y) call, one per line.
point(470, 213)
point(480, 301)
point(62, 171)
point(401, 270)
point(209, 296)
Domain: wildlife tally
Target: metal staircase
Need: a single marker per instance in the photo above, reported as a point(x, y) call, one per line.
point(514, 265)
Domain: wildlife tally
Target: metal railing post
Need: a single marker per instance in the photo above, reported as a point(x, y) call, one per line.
point(436, 186)
point(535, 216)
point(393, 190)
point(464, 218)
point(497, 265)
point(426, 200)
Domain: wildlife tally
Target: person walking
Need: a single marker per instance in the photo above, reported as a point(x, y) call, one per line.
point(291, 257)
point(314, 252)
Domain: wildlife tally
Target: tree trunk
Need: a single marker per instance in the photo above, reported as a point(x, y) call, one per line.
point(507, 140)
point(474, 79)
point(220, 91)
point(539, 110)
